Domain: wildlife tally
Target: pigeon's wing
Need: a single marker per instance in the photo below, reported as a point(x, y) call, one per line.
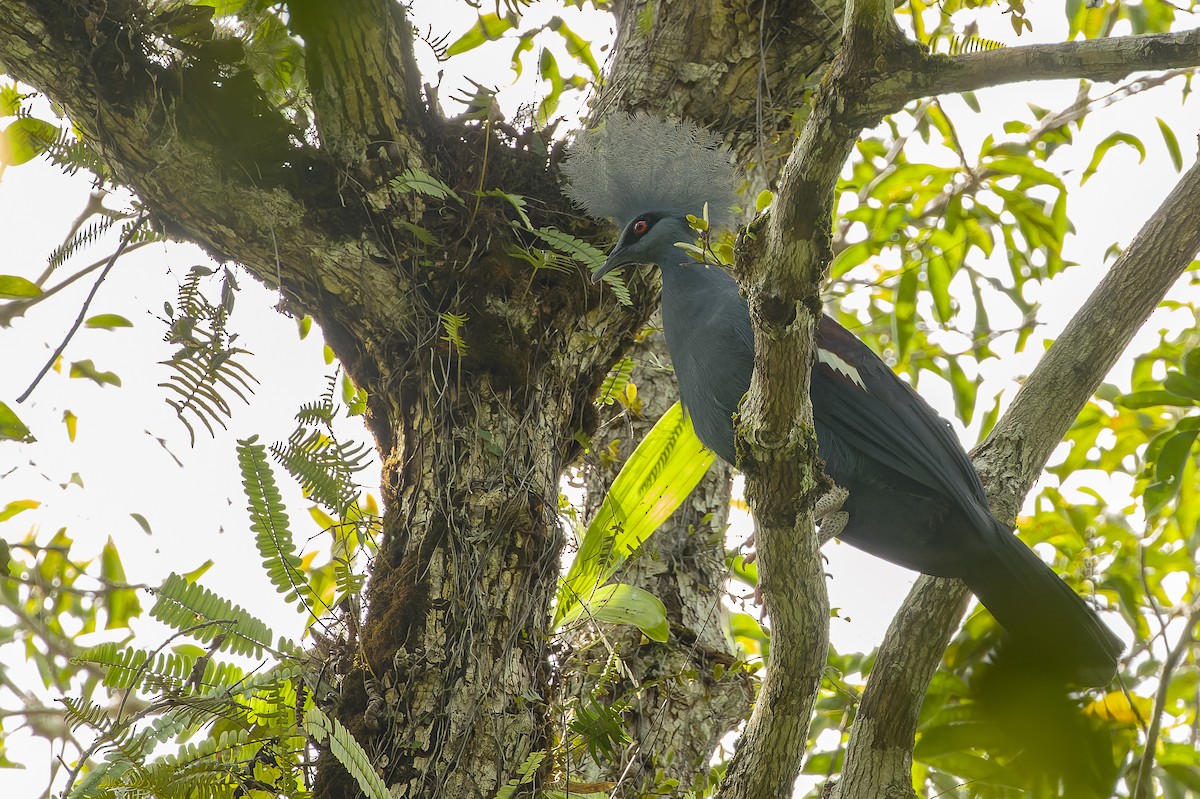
point(857, 398)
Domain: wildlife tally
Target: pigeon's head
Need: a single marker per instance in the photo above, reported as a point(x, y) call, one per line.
point(649, 238)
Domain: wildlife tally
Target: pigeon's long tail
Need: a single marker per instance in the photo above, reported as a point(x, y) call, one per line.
point(1042, 614)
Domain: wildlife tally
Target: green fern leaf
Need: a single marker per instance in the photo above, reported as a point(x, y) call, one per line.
point(269, 523)
point(347, 751)
point(204, 615)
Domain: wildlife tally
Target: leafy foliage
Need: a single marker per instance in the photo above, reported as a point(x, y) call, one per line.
point(935, 242)
point(323, 466)
point(658, 476)
point(269, 523)
point(193, 609)
point(206, 364)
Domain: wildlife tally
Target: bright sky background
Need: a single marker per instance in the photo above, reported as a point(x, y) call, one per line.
point(198, 512)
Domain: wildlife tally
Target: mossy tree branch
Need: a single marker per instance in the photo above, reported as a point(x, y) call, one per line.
point(1097, 59)
point(782, 262)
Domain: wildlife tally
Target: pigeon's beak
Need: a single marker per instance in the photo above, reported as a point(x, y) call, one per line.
point(616, 259)
point(609, 266)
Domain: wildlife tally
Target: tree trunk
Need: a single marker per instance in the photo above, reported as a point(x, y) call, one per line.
point(683, 695)
point(445, 699)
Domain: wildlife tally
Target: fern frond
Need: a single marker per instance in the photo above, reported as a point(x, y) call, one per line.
point(87, 234)
point(346, 750)
point(452, 324)
point(71, 154)
point(578, 249)
point(961, 45)
point(204, 615)
point(270, 525)
point(82, 713)
point(205, 367)
point(420, 182)
point(324, 467)
point(616, 381)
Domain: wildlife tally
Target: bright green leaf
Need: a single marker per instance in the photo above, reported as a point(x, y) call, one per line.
point(1148, 399)
point(623, 604)
point(1181, 384)
point(1168, 470)
point(524, 45)
point(1172, 144)
point(488, 28)
point(11, 426)
point(904, 316)
point(939, 273)
point(17, 506)
point(25, 139)
point(198, 572)
point(108, 321)
point(577, 46)
point(10, 100)
point(658, 476)
point(121, 604)
point(1103, 147)
point(88, 370)
point(13, 287)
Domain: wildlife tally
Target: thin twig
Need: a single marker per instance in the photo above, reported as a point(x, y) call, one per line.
point(1141, 787)
point(86, 304)
point(14, 308)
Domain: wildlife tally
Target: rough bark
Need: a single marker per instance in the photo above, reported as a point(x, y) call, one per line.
point(741, 68)
point(781, 265)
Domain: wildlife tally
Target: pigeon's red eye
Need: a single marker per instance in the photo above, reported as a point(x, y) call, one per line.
point(641, 226)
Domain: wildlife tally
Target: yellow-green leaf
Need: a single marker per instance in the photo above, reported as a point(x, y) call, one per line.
point(14, 287)
point(623, 604)
point(658, 476)
point(488, 28)
point(25, 139)
point(142, 523)
point(17, 506)
point(121, 604)
point(108, 321)
point(11, 426)
point(1172, 144)
point(88, 370)
point(1103, 147)
point(72, 423)
point(577, 46)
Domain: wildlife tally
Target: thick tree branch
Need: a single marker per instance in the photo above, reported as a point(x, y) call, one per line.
point(879, 757)
point(364, 82)
point(759, 58)
point(782, 262)
point(212, 160)
point(1097, 60)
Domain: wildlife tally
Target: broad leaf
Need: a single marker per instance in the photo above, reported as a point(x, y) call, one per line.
point(618, 603)
point(658, 476)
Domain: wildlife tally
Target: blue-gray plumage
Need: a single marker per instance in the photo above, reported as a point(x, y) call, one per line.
point(914, 497)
